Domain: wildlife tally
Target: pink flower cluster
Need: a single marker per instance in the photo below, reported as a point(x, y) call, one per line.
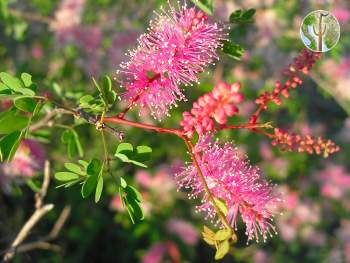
point(212, 107)
point(28, 160)
point(67, 18)
point(335, 182)
point(159, 251)
point(179, 45)
point(233, 180)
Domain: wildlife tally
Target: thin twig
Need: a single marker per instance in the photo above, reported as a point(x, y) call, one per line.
point(44, 122)
point(30, 16)
point(23, 233)
point(40, 211)
point(39, 197)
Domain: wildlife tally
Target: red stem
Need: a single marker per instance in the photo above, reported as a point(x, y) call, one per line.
point(119, 120)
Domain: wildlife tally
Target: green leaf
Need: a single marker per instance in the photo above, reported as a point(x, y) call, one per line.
point(94, 167)
point(72, 149)
point(38, 108)
point(223, 234)
point(235, 15)
point(86, 99)
point(233, 50)
point(15, 84)
point(133, 193)
point(206, 5)
point(248, 15)
point(10, 121)
point(27, 79)
point(222, 249)
point(89, 185)
point(74, 168)
point(9, 145)
point(122, 157)
point(33, 186)
point(242, 16)
point(3, 9)
point(125, 148)
point(68, 184)
point(135, 209)
point(123, 183)
point(143, 153)
point(99, 189)
point(71, 138)
point(77, 143)
point(83, 163)
point(137, 163)
point(66, 176)
point(108, 96)
point(25, 104)
point(10, 81)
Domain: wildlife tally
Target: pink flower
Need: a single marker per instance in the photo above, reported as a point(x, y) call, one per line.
point(335, 182)
point(260, 256)
point(233, 180)
point(37, 51)
point(67, 18)
point(28, 160)
point(158, 251)
point(184, 230)
point(342, 14)
point(179, 45)
point(155, 254)
point(212, 107)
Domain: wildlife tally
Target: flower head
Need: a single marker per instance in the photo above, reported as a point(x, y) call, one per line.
point(212, 107)
point(233, 180)
point(178, 45)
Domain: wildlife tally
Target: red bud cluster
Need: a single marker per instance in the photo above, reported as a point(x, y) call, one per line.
point(307, 143)
point(302, 64)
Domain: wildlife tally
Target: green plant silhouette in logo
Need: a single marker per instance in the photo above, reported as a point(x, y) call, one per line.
point(320, 31)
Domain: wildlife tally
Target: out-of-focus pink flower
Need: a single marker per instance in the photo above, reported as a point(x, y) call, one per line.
point(347, 252)
point(178, 46)
point(233, 180)
point(313, 237)
point(184, 230)
point(155, 254)
point(89, 37)
point(158, 251)
point(37, 51)
point(120, 42)
point(67, 18)
point(297, 216)
point(265, 151)
point(335, 181)
point(28, 160)
point(342, 14)
point(343, 233)
point(270, 28)
point(260, 256)
point(160, 186)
